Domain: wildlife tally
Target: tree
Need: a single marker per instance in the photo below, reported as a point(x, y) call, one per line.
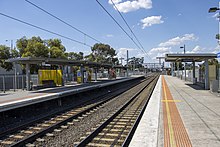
point(34, 47)
point(213, 62)
point(56, 49)
point(136, 62)
point(102, 53)
point(217, 36)
point(181, 66)
point(22, 45)
point(4, 55)
point(75, 56)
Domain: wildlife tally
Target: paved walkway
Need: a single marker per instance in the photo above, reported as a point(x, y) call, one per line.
point(189, 116)
point(199, 110)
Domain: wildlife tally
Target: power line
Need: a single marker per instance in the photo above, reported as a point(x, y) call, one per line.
point(122, 28)
point(129, 27)
point(118, 24)
point(62, 21)
point(45, 30)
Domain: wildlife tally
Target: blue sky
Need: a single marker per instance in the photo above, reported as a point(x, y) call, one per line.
point(162, 26)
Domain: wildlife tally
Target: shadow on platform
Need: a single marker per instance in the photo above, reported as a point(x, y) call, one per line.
point(197, 86)
point(3, 94)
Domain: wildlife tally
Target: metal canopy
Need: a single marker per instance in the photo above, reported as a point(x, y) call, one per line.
point(55, 61)
point(189, 57)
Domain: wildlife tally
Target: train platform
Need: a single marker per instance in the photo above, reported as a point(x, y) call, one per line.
point(179, 114)
point(19, 98)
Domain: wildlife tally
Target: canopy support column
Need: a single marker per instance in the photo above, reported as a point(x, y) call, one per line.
point(206, 74)
point(194, 73)
point(28, 76)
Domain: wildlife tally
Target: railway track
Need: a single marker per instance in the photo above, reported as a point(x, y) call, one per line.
point(55, 124)
point(118, 129)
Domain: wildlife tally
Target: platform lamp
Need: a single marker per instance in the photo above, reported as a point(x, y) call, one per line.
point(212, 10)
point(184, 51)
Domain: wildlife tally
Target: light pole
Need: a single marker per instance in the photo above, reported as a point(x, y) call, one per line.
point(11, 45)
point(15, 76)
point(184, 51)
point(211, 10)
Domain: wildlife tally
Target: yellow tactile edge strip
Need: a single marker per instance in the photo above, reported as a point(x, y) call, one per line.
point(175, 134)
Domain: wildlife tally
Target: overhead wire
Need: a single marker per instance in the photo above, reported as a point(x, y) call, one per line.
point(46, 30)
point(118, 24)
point(130, 29)
point(66, 23)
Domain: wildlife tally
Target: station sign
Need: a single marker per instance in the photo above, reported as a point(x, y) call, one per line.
point(218, 55)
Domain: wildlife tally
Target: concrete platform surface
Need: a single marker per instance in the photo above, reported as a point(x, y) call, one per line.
point(198, 110)
point(147, 132)
point(19, 98)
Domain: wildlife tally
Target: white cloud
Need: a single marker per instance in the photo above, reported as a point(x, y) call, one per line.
point(149, 21)
point(178, 40)
point(114, 1)
point(122, 52)
point(159, 50)
point(216, 49)
point(109, 35)
point(196, 49)
point(134, 5)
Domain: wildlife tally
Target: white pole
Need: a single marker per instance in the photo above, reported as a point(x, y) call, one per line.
point(218, 45)
point(127, 64)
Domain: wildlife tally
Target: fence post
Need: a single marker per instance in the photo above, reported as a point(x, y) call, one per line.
point(13, 82)
point(3, 81)
point(15, 76)
point(22, 82)
point(18, 85)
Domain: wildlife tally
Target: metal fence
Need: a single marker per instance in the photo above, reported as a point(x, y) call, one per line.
point(12, 82)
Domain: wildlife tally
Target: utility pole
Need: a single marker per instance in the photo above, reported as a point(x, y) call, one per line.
point(127, 65)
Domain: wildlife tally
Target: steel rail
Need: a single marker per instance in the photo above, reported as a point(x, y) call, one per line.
point(54, 126)
point(85, 141)
point(131, 132)
point(33, 137)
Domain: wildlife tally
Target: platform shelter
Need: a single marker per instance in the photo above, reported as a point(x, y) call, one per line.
point(55, 61)
point(192, 57)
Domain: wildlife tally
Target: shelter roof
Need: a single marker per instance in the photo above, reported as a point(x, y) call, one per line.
point(56, 61)
point(189, 57)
